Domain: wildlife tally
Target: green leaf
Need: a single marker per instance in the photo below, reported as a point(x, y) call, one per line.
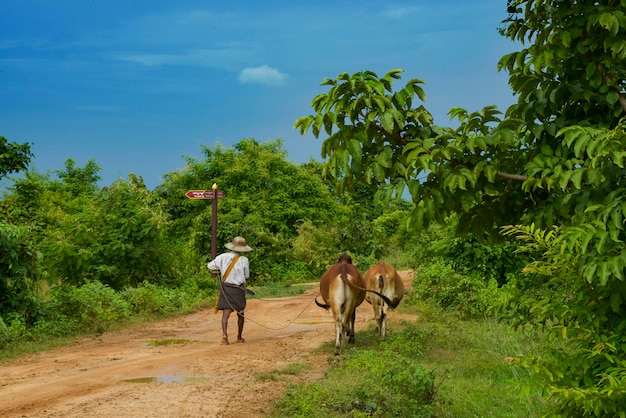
point(419, 91)
point(566, 39)
point(612, 97)
point(609, 21)
point(379, 172)
point(384, 158)
point(354, 147)
point(604, 273)
point(579, 146)
point(380, 103)
point(387, 121)
point(398, 118)
point(414, 187)
point(401, 98)
point(576, 179)
point(589, 271)
point(565, 179)
point(595, 80)
point(491, 173)
point(328, 124)
point(586, 238)
point(590, 69)
point(617, 267)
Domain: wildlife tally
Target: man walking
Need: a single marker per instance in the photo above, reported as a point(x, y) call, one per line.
point(235, 271)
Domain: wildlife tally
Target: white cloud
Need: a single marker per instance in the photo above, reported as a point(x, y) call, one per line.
point(262, 75)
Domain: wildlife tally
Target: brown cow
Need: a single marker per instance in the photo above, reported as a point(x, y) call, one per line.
point(384, 279)
point(343, 289)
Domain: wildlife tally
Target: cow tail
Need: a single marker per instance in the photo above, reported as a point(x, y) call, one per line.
point(383, 297)
point(321, 305)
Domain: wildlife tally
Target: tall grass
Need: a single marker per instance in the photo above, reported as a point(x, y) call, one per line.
point(436, 366)
point(473, 362)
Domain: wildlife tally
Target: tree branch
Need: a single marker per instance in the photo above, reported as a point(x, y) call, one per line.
point(517, 177)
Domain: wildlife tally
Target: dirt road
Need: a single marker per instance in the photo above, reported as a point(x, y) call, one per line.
point(177, 367)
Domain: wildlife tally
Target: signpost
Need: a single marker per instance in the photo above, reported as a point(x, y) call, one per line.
point(213, 194)
point(204, 194)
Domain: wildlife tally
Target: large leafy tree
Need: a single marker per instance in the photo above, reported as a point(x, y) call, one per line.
point(266, 199)
point(14, 157)
point(555, 158)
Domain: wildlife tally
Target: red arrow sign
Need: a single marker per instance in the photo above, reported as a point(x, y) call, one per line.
point(204, 194)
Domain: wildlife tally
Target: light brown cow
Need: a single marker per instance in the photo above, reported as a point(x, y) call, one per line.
point(384, 279)
point(343, 289)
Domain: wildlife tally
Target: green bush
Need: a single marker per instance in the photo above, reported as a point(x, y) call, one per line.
point(58, 325)
point(149, 299)
point(290, 272)
point(94, 306)
point(471, 295)
point(15, 329)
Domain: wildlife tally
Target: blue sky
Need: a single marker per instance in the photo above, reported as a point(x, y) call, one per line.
point(137, 85)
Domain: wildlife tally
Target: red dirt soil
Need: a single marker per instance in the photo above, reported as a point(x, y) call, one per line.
point(195, 377)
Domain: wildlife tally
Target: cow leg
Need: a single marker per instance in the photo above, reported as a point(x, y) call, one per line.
point(350, 327)
point(383, 320)
point(380, 307)
point(377, 312)
point(339, 332)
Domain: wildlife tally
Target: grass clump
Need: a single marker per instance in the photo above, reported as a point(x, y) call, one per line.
point(378, 378)
point(279, 290)
point(292, 369)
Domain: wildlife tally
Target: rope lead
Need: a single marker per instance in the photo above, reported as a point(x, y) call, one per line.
point(215, 310)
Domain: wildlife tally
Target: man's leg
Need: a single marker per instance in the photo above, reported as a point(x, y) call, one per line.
point(240, 321)
point(225, 316)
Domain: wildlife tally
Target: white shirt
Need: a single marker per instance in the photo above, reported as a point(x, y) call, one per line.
point(240, 272)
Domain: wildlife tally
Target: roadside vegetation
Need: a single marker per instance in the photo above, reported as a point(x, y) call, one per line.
point(513, 223)
point(437, 366)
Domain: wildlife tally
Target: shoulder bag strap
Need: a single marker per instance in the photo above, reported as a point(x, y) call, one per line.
point(230, 267)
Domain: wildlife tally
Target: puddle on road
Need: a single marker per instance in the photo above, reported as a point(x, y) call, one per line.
point(166, 379)
point(159, 343)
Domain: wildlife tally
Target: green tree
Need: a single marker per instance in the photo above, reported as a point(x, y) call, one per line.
point(266, 199)
point(14, 157)
point(19, 273)
point(555, 158)
point(79, 180)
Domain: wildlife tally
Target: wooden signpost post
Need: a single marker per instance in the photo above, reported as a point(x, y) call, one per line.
point(212, 194)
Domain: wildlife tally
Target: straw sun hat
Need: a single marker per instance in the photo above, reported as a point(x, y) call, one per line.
point(239, 245)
